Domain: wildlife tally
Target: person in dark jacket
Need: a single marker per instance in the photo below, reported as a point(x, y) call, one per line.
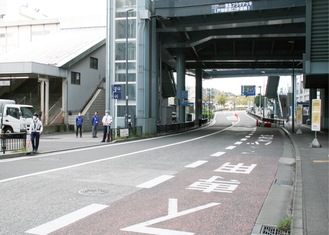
point(94, 124)
point(78, 123)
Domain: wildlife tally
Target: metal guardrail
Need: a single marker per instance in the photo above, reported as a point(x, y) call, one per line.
point(271, 120)
point(12, 141)
point(175, 127)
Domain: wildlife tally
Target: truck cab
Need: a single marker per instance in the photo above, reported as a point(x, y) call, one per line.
point(16, 118)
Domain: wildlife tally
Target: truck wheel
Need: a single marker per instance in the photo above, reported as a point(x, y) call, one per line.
point(8, 130)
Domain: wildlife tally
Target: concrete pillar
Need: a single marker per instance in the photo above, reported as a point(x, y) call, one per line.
point(64, 100)
point(42, 100)
point(312, 96)
point(46, 101)
point(180, 64)
point(324, 93)
point(198, 94)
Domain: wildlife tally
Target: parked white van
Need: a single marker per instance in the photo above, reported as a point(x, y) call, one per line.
point(15, 118)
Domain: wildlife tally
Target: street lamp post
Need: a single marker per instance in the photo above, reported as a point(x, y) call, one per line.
point(260, 98)
point(127, 54)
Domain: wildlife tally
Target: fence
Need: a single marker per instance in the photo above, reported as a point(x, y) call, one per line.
point(12, 142)
point(271, 120)
point(175, 127)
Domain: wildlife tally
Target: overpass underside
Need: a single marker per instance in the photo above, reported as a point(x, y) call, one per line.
point(240, 38)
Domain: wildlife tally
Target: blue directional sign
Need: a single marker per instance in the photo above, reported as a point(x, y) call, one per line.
point(116, 91)
point(248, 90)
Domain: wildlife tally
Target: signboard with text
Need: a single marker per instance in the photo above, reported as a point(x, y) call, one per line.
point(316, 115)
point(116, 91)
point(248, 90)
point(299, 115)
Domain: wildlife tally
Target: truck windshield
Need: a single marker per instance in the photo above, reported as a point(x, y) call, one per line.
point(27, 112)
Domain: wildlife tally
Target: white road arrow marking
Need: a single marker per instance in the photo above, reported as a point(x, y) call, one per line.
point(172, 213)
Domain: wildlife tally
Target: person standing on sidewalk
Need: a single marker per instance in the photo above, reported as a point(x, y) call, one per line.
point(107, 120)
point(36, 129)
point(94, 124)
point(78, 122)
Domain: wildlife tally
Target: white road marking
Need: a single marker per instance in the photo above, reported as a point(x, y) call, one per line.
point(66, 220)
point(244, 139)
point(230, 147)
point(143, 227)
point(155, 182)
point(218, 154)
point(196, 164)
point(237, 143)
point(104, 159)
point(172, 206)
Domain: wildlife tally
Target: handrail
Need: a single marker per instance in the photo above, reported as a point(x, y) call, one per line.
point(55, 109)
point(28, 94)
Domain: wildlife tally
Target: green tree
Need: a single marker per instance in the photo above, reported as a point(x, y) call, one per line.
point(221, 100)
point(257, 99)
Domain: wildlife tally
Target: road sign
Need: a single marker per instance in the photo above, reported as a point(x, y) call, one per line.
point(248, 90)
point(316, 115)
point(116, 91)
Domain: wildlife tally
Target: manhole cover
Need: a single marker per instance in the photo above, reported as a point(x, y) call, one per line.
point(94, 192)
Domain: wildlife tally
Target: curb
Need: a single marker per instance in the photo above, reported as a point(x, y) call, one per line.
point(297, 212)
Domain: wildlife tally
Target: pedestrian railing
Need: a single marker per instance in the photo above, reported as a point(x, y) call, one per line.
point(12, 142)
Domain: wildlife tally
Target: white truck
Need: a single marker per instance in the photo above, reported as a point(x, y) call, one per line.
point(15, 118)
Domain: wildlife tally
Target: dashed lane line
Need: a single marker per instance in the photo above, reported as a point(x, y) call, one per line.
point(196, 164)
point(230, 147)
point(66, 220)
point(155, 182)
point(218, 154)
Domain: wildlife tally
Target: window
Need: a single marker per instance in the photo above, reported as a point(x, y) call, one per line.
point(75, 78)
point(93, 63)
point(14, 112)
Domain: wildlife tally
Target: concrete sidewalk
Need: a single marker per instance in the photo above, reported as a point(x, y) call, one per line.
point(310, 206)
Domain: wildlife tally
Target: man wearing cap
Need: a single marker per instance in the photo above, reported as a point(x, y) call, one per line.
point(107, 120)
point(36, 129)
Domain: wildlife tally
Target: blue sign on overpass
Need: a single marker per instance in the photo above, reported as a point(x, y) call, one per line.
point(248, 90)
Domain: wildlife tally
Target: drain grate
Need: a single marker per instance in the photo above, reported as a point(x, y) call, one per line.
point(284, 182)
point(94, 192)
point(272, 230)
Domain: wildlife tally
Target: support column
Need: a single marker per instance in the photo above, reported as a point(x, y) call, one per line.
point(180, 62)
point(44, 100)
point(198, 95)
point(64, 101)
point(312, 97)
point(325, 107)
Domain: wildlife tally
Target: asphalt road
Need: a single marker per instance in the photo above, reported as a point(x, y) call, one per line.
point(212, 180)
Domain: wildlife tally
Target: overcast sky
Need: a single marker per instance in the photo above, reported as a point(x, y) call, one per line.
point(66, 8)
